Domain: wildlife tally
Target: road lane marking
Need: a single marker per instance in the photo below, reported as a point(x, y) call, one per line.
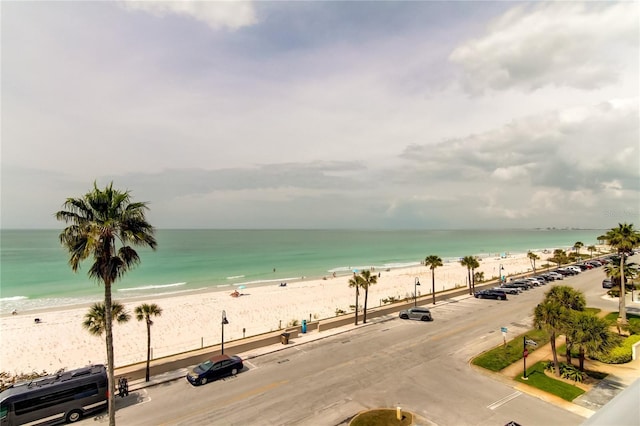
point(504, 400)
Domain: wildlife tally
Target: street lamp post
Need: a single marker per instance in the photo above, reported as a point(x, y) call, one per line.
point(415, 291)
point(224, 321)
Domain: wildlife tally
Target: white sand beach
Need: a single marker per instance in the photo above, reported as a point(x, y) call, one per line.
point(192, 321)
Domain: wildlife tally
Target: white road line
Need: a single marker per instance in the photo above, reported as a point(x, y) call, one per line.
point(503, 401)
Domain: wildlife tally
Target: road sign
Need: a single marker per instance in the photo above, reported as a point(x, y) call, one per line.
point(525, 353)
point(531, 343)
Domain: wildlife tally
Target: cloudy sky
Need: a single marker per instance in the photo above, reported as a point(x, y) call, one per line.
point(325, 114)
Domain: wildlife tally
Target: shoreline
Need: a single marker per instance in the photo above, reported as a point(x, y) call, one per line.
point(192, 320)
point(6, 307)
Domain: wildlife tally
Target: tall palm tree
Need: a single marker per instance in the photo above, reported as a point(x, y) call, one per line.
point(433, 262)
point(551, 317)
point(591, 249)
point(475, 263)
point(533, 257)
point(623, 238)
point(571, 299)
point(367, 281)
point(577, 246)
point(591, 334)
point(95, 319)
point(468, 262)
point(145, 312)
point(356, 281)
point(97, 223)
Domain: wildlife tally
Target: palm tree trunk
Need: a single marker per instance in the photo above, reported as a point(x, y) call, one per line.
point(109, 338)
point(469, 276)
point(473, 280)
point(146, 377)
point(556, 364)
point(622, 315)
point(581, 358)
point(357, 293)
point(433, 286)
point(366, 296)
point(568, 344)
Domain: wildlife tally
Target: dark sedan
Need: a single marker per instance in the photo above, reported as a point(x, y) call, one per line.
point(215, 368)
point(491, 294)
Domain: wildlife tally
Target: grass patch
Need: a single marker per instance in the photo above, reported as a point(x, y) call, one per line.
point(612, 317)
point(382, 418)
point(538, 379)
point(594, 311)
point(504, 355)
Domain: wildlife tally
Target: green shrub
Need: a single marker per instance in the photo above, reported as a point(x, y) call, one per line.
point(620, 354)
point(566, 371)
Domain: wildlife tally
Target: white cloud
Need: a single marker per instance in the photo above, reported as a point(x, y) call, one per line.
point(585, 46)
point(217, 14)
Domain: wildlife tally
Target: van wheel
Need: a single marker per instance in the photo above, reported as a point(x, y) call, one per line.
point(234, 371)
point(404, 316)
point(425, 318)
point(203, 381)
point(500, 298)
point(73, 416)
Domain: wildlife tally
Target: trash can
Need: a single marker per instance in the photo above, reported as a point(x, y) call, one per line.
point(284, 338)
point(304, 326)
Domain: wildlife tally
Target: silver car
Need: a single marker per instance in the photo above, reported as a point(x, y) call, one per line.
point(421, 314)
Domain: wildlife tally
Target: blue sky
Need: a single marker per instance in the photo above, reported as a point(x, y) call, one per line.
point(324, 114)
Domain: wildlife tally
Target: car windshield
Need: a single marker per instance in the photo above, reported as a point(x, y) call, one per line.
point(205, 366)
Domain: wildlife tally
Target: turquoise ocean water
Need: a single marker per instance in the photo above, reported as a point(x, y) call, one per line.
point(34, 272)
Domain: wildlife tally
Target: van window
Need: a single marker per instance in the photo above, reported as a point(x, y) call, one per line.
point(54, 398)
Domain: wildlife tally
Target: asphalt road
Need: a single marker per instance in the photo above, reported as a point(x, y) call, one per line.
point(421, 367)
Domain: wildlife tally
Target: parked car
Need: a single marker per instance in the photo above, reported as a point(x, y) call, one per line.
point(543, 280)
point(533, 281)
point(491, 294)
point(509, 290)
point(215, 368)
point(574, 268)
point(421, 314)
point(522, 284)
point(607, 283)
point(556, 275)
point(548, 277)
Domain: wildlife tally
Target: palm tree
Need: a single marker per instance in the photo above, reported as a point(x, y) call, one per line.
point(591, 334)
point(468, 262)
point(475, 263)
point(367, 280)
point(559, 257)
point(533, 257)
point(356, 281)
point(95, 319)
point(623, 238)
point(591, 249)
point(577, 246)
point(433, 262)
point(145, 312)
point(570, 299)
point(550, 316)
point(96, 223)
